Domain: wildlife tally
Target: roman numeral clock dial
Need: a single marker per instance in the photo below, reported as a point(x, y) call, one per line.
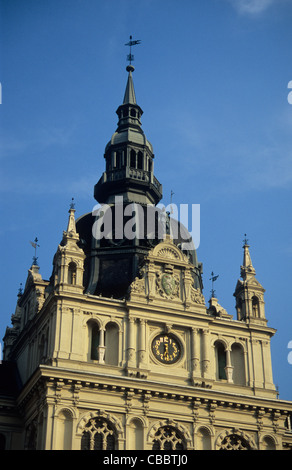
point(166, 348)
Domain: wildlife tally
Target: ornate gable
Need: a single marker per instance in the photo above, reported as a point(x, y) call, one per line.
point(167, 275)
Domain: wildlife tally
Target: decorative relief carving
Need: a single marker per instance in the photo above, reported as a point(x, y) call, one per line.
point(138, 286)
point(197, 296)
point(167, 253)
point(166, 274)
point(168, 285)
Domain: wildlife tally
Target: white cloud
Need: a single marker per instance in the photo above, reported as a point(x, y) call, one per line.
point(251, 7)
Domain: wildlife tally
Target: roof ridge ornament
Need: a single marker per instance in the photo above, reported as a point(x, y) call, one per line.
point(130, 56)
point(35, 246)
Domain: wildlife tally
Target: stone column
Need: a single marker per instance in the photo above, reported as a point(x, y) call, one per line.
point(229, 367)
point(131, 344)
point(195, 359)
point(101, 347)
point(142, 345)
point(206, 358)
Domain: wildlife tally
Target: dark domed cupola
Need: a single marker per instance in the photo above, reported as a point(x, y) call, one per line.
point(117, 237)
point(129, 158)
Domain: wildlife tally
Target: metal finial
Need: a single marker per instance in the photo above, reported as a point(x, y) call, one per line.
point(171, 194)
point(72, 204)
point(213, 279)
point(35, 245)
point(131, 43)
point(245, 241)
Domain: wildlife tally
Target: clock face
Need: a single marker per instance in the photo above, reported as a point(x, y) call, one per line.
point(166, 348)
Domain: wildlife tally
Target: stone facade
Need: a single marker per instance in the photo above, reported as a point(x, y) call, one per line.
point(159, 368)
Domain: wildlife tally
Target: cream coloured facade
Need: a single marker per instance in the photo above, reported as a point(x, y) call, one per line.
point(120, 349)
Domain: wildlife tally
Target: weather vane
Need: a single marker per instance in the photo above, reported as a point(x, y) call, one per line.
point(131, 43)
point(171, 194)
point(35, 245)
point(245, 241)
point(213, 279)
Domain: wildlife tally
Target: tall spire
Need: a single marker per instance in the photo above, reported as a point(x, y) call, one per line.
point(129, 97)
point(249, 293)
point(246, 270)
point(129, 157)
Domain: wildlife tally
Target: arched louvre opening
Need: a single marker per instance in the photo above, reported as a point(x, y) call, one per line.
point(94, 342)
point(220, 361)
point(133, 159)
point(255, 306)
point(72, 273)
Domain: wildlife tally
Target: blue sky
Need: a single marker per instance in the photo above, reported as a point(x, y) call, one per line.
point(212, 79)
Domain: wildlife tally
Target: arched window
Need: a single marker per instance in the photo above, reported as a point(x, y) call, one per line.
point(237, 361)
point(64, 430)
point(72, 273)
point(43, 345)
point(112, 344)
point(133, 159)
point(220, 361)
point(168, 438)
point(118, 162)
point(94, 342)
point(268, 443)
point(288, 423)
point(140, 161)
point(234, 442)
point(135, 430)
point(133, 112)
point(255, 306)
point(239, 309)
point(203, 439)
point(31, 437)
point(98, 434)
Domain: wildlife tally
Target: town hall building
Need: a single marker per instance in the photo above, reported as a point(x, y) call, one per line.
point(120, 349)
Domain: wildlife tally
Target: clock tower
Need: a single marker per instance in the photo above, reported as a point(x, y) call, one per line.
point(119, 349)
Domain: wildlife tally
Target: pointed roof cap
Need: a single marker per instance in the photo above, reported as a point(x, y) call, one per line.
point(71, 234)
point(247, 270)
point(129, 97)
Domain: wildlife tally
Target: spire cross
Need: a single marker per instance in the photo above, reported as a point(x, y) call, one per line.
point(35, 245)
point(131, 43)
point(213, 279)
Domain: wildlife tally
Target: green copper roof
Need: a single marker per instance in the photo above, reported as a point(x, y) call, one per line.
point(130, 97)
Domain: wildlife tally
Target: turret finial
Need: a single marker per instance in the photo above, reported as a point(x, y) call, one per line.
point(35, 246)
point(130, 57)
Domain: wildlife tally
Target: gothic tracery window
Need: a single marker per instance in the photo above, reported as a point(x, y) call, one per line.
point(98, 434)
point(234, 442)
point(168, 438)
